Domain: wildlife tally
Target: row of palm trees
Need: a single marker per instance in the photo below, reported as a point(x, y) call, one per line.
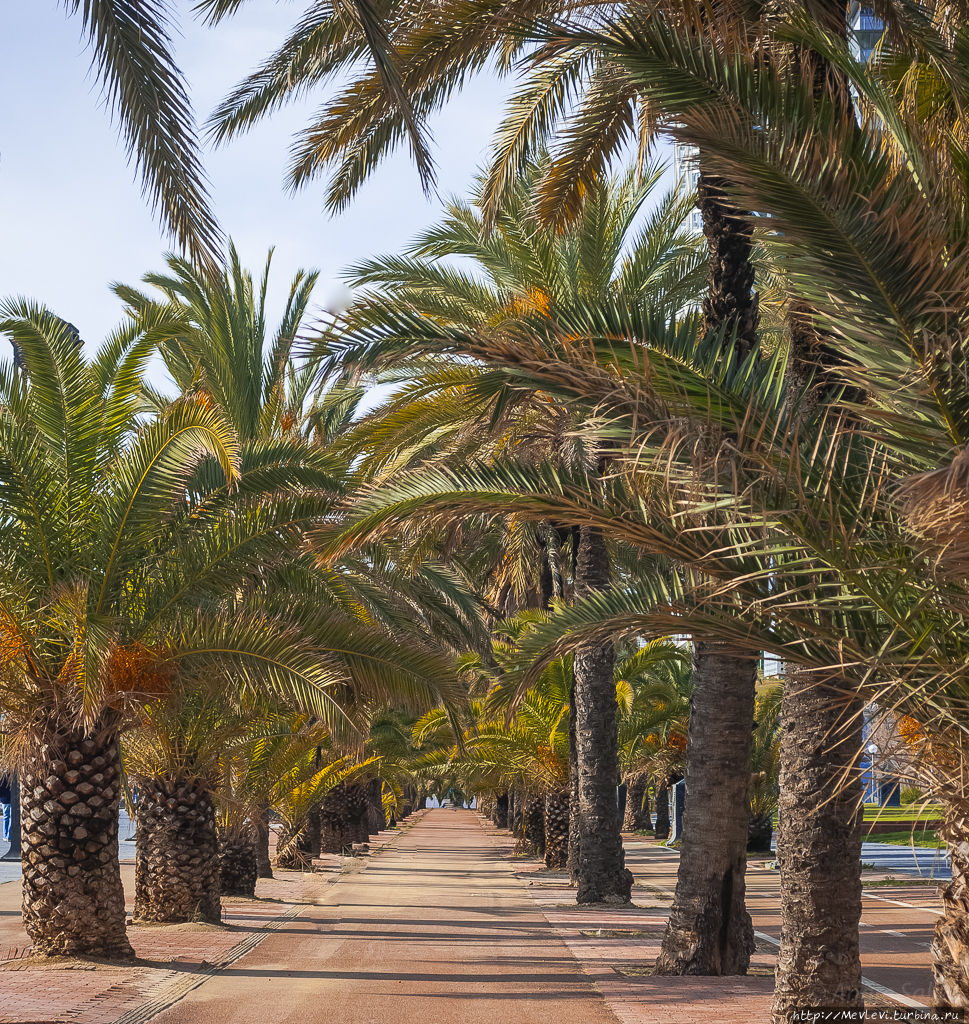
point(760, 474)
point(163, 620)
point(568, 436)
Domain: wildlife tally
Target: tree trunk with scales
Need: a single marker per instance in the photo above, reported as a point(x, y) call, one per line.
point(260, 827)
point(637, 818)
point(709, 930)
point(533, 827)
point(378, 817)
point(358, 808)
point(73, 899)
point(818, 849)
point(601, 872)
point(177, 857)
point(501, 810)
point(238, 866)
point(335, 834)
point(556, 831)
point(950, 943)
point(572, 863)
point(662, 828)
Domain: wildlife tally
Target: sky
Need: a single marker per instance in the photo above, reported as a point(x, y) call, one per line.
point(72, 218)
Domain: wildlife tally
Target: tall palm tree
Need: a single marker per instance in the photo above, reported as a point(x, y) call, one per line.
point(528, 273)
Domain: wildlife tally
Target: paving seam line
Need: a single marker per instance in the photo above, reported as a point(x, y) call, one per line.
point(179, 989)
point(867, 982)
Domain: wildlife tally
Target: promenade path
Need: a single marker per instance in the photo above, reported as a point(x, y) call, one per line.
point(435, 930)
point(442, 925)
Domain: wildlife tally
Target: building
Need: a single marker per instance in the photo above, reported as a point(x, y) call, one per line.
point(865, 30)
point(687, 172)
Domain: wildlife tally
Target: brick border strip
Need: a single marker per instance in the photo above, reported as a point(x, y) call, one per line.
point(176, 990)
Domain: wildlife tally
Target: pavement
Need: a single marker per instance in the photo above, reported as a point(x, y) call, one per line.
point(442, 924)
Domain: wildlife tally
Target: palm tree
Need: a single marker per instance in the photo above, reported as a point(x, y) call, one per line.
point(86, 503)
point(212, 333)
point(528, 273)
point(132, 57)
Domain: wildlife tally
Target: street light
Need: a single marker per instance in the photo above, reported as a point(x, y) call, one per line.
point(872, 749)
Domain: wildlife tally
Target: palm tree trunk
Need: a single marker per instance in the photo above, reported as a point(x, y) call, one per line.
point(238, 867)
point(662, 812)
point(730, 300)
point(335, 832)
point(950, 943)
point(602, 875)
point(637, 804)
point(358, 806)
point(572, 864)
point(177, 857)
point(709, 930)
point(501, 810)
point(533, 825)
point(818, 849)
point(260, 826)
point(378, 817)
point(556, 831)
point(73, 899)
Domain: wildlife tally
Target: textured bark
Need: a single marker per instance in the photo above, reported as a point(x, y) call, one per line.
point(760, 831)
point(533, 825)
point(378, 817)
point(572, 865)
point(662, 812)
point(177, 856)
point(73, 900)
point(312, 841)
point(709, 930)
point(730, 298)
point(512, 813)
point(950, 944)
point(238, 868)
point(637, 816)
point(501, 810)
point(601, 873)
point(818, 849)
point(260, 827)
point(358, 808)
point(556, 831)
point(336, 832)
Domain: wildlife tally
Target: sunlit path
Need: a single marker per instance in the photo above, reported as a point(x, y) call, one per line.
point(433, 930)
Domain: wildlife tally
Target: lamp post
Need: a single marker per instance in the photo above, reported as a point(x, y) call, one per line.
point(872, 749)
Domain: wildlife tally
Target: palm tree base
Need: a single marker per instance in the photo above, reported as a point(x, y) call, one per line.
point(238, 869)
point(73, 899)
point(177, 860)
point(556, 831)
point(818, 848)
point(950, 944)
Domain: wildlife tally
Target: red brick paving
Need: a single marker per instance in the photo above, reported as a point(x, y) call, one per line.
point(897, 924)
point(86, 993)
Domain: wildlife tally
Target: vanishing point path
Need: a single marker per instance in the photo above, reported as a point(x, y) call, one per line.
point(435, 929)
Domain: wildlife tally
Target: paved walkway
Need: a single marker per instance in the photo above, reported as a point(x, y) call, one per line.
point(436, 930)
point(442, 925)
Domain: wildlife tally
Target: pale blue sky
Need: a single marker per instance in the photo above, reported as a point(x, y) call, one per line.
point(71, 214)
point(72, 218)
